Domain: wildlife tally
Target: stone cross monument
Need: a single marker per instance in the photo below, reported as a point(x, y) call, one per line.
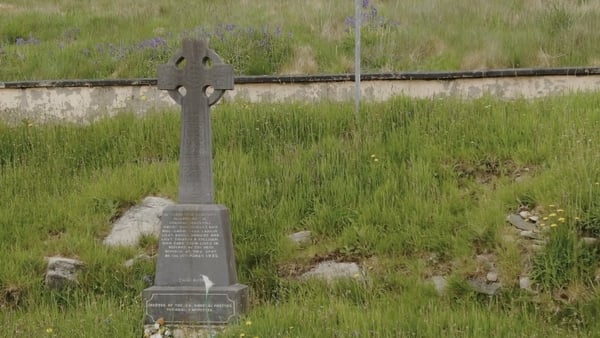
point(196, 280)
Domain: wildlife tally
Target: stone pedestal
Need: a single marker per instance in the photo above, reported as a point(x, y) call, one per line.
point(193, 306)
point(195, 245)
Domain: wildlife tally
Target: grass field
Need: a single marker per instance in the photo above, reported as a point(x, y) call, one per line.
point(411, 189)
point(119, 39)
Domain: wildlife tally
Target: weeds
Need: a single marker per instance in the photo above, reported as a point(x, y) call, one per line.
point(418, 179)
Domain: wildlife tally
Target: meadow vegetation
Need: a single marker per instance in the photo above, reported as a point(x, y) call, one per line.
point(410, 189)
point(127, 39)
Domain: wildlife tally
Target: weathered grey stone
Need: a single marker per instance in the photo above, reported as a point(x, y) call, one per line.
point(528, 234)
point(492, 276)
point(300, 237)
point(62, 272)
point(484, 287)
point(140, 220)
point(525, 214)
point(196, 281)
point(331, 270)
point(525, 282)
point(195, 241)
point(520, 223)
point(440, 283)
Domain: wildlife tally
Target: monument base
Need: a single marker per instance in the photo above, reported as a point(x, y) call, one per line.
point(193, 306)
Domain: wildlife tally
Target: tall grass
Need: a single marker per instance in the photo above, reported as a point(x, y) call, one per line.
point(410, 189)
point(70, 39)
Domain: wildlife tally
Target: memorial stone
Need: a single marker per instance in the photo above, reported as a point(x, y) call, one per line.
point(196, 281)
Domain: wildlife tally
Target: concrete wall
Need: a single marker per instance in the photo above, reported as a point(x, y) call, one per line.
point(86, 101)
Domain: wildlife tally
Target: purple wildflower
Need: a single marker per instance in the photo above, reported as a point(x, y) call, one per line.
point(155, 43)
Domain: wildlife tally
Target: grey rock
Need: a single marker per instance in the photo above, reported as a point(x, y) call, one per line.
point(484, 287)
point(492, 276)
point(300, 237)
point(330, 270)
point(525, 283)
point(143, 219)
point(524, 214)
point(520, 223)
point(534, 219)
point(440, 283)
point(62, 272)
point(528, 234)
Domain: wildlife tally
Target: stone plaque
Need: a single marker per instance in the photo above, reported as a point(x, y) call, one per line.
point(193, 305)
point(196, 281)
point(198, 236)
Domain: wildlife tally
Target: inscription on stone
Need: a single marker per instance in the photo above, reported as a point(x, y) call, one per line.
point(200, 240)
point(185, 308)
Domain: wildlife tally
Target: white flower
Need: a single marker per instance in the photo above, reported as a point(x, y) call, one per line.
point(156, 326)
point(207, 283)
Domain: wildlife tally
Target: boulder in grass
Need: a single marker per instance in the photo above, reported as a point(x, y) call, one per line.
point(62, 272)
point(143, 219)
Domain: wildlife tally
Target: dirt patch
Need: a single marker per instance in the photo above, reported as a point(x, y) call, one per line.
point(10, 297)
point(486, 171)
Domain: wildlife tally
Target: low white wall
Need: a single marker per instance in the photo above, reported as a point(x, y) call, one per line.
point(86, 104)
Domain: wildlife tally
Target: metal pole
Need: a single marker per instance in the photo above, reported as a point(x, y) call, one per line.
point(357, 24)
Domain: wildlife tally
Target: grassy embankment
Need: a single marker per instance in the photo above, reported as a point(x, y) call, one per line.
point(109, 39)
point(417, 188)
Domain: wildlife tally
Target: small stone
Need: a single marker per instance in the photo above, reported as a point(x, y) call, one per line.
point(331, 270)
point(519, 222)
point(300, 237)
point(440, 283)
point(484, 287)
point(528, 234)
point(492, 276)
point(525, 283)
point(62, 272)
point(534, 219)
point(524, 214)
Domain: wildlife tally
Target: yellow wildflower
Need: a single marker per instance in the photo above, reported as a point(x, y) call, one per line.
point(248, 322)
point(552, 205)
point(372, 155)
point(562, 219)
point(242, 334)
point(560, 210)
point(553, 225)
point(49, 330)
point(545, 218)
point(552, 215)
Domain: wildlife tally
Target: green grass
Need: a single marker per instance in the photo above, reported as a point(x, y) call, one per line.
point(409, 189)
point(108, 39)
